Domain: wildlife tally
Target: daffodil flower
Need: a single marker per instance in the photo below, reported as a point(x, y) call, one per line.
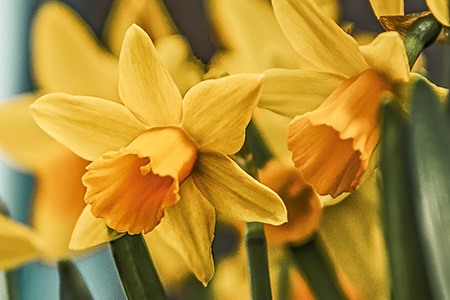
point(159, 161)
point(332, 144)
point(439, 8)
point(67, 57)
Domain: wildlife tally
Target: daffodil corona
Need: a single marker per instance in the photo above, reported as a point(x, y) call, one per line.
point(159, 162)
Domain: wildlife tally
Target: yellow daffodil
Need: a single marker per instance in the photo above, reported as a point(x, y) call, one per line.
point(157, 156)
point(439, 8)
point(19, 244)
point(332, 145)
point(67, 57)
point(303, 206)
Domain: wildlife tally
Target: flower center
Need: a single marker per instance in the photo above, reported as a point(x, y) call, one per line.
point(130, 188)
point(332, 145)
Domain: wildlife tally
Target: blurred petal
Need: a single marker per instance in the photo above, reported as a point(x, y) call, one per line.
point(67, 57)
point(356, 222)
point(21, 139)
point(250, 30)
point(152, 16)
point(19, 244)
point(387, 54)
point(440, 10)
point(178, 59)
point(88, 126)
point(234, 193)
point(309, 30)
point(387, 7)
point(59, 198)
point(303, 206)
point(90, 231)
point(145, 86)
point(294, 92)
point(188, 227)
point(216, 112)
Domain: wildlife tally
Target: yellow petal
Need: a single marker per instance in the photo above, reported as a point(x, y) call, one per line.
point(59, 198)
point(294, 92)
point(439, 8)
point(152, 16)
point(387, 54)
point(123, 190)
point(318, 38)
point(188, 227)
point(145, 86)
point(332, 145)
point(172, 274)
point(67, 57)
point(250, 30)
point(90, 231)
point(216, 112)
point(356, 222)
point(387, 7)
point(19, 244)
point(234, 193)
point(21, 139)
point(179, 60)
point(86, 125)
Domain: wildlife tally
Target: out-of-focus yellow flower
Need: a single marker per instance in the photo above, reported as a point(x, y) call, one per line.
point(19, 244)
point(157, 155)
point(303, 206)
point(439, 8)
point(250, 37)
point(67, 57)
point(332, 145)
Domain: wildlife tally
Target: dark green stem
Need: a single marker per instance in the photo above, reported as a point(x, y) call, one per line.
point(312, 261)
point(257, 261)
point(420, 35)
point(253, 155)
point(136, 270)
point(72, 285)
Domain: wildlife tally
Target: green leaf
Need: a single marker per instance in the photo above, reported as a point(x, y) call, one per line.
point(72, 285)
point(255, 241)
point(408, 275)
point(430, 143)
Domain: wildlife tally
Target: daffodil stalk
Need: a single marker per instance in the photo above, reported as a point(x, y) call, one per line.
point(136, 270)
point(422, 33)
point(254, 150)
point(72, 284)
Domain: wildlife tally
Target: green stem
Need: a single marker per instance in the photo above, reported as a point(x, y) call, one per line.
point(255, 150)
point(136, 270)
point(420, 35)
point(72, 284)
point(313, 262)
point(257, 261)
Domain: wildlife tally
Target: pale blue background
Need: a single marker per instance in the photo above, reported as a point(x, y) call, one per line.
point(37, 281)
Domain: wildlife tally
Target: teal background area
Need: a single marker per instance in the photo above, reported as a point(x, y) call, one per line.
point(36, 280)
